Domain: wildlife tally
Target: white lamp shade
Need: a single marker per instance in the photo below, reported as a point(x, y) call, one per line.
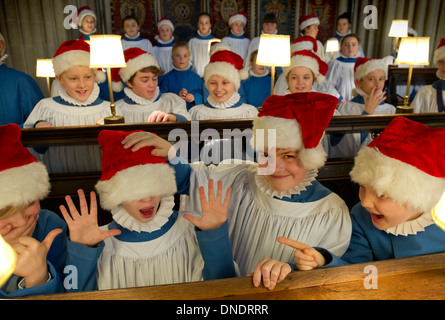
point(8, 259)
point(414, 51)
point(332, 46)
point(274, 50)
point(399, 28)
point(45, 68)
point(438, 212)
point(106, 51)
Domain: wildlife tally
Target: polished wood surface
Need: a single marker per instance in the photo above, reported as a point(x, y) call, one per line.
point(414, 278)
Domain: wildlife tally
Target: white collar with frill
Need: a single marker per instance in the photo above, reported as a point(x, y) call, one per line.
point(412, 227)
point(66, 97)
point(253, 74)
point(138, 99)
point(3, 58)
point(226, 104)
point(264, 186)
point(121, 216)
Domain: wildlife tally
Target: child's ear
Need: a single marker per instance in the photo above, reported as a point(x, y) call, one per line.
point(129, 84)
point(59, 78)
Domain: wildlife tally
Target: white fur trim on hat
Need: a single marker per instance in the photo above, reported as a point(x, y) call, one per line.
point(23, 185)
point(136, 64)
point(83, 14)
point(288, 136)
point(308, 22)
point(399, 181)
point(370, 66)
point(136, 183)
point(308, 62)
point(70, 59)
point(166, 22)
point(302, 45)
point(237, 17)
point(225, 70)
point(439, 54)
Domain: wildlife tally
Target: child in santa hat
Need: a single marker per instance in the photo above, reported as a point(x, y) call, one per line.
point(86, 20)
point(132, 37)
point(38, 236)
point(401, 178)
point(341, 70)
point(163, 50)
point(182, 80)
point(279, 195)
point(144, 101)
point(308, 26)
point(369, 98)
point(156, 243)
point(199, 45)
point(222, 79)
point(431, 98)
point(304, 57)
point(236, 39)
point(77, 104)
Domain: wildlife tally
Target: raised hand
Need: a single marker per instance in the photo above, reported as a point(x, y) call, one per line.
point(306, 257)
point(83, 226)
point(31, 258)
point(214, 213)
point(375, 98)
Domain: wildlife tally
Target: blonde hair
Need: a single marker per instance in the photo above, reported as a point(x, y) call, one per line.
point(8, 211)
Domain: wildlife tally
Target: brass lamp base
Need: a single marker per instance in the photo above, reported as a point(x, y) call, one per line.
point(404, 109)
point(114, 119)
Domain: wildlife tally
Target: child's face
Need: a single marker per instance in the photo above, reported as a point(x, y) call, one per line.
point(385, 212)
point(300, 79)
point(257, 68)
point(204, 25)
point(143, 210)
point(237, 27)
point(374, 79)
point(165, 33)
point(288, 169)
point(343, 26)
point(88, 23)
point(131, 27)
point(441, 67)
point(269, 27)
point(144, 84)
point(350, 47)
point(78, 82)
point(22, 222)
point(311, 31)
point(181, 58)
point(220, 88)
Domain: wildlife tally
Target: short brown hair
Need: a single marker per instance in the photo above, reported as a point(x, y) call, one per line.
point(155, 70)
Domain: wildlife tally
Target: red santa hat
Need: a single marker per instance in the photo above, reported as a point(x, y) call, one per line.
point(219, 46)
point(439, 53)
point(363, 66)
point(83, 12)
point(127, 175)
point(240, 16)
point(304, 43)
point(308, 20)
point(136, 60)
point(23, 180)
point(309, 60)
point(164, 21)
point(404, 163)
point(299, 121)
point(72, 53)
point(227, 64)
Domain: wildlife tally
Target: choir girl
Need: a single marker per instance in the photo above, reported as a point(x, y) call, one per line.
point(144, 101)
point(199, 45)
point(86, 20)
point(165, 41)
point(237, 41)
point(132, 37)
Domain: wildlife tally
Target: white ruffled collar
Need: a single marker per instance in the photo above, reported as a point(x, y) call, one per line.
point(66, 97)
point(226, 104)
point(204, 35)
point(138, 99)
point(2, 59)
point(264, 186)
point(187, 68)
point(121, 216)
point(87, 33)
point(132, 38)
point(158, 39)
point(413, 226)
point(253, 74)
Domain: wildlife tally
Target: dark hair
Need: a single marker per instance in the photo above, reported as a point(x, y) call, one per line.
point(344, 16)
point(202, 14)
point(351, 35)
point(130, 17)
point(155, 70)
point(270, 18)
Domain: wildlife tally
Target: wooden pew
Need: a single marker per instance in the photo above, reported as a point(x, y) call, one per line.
point(399, 76)
point(414, 278)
